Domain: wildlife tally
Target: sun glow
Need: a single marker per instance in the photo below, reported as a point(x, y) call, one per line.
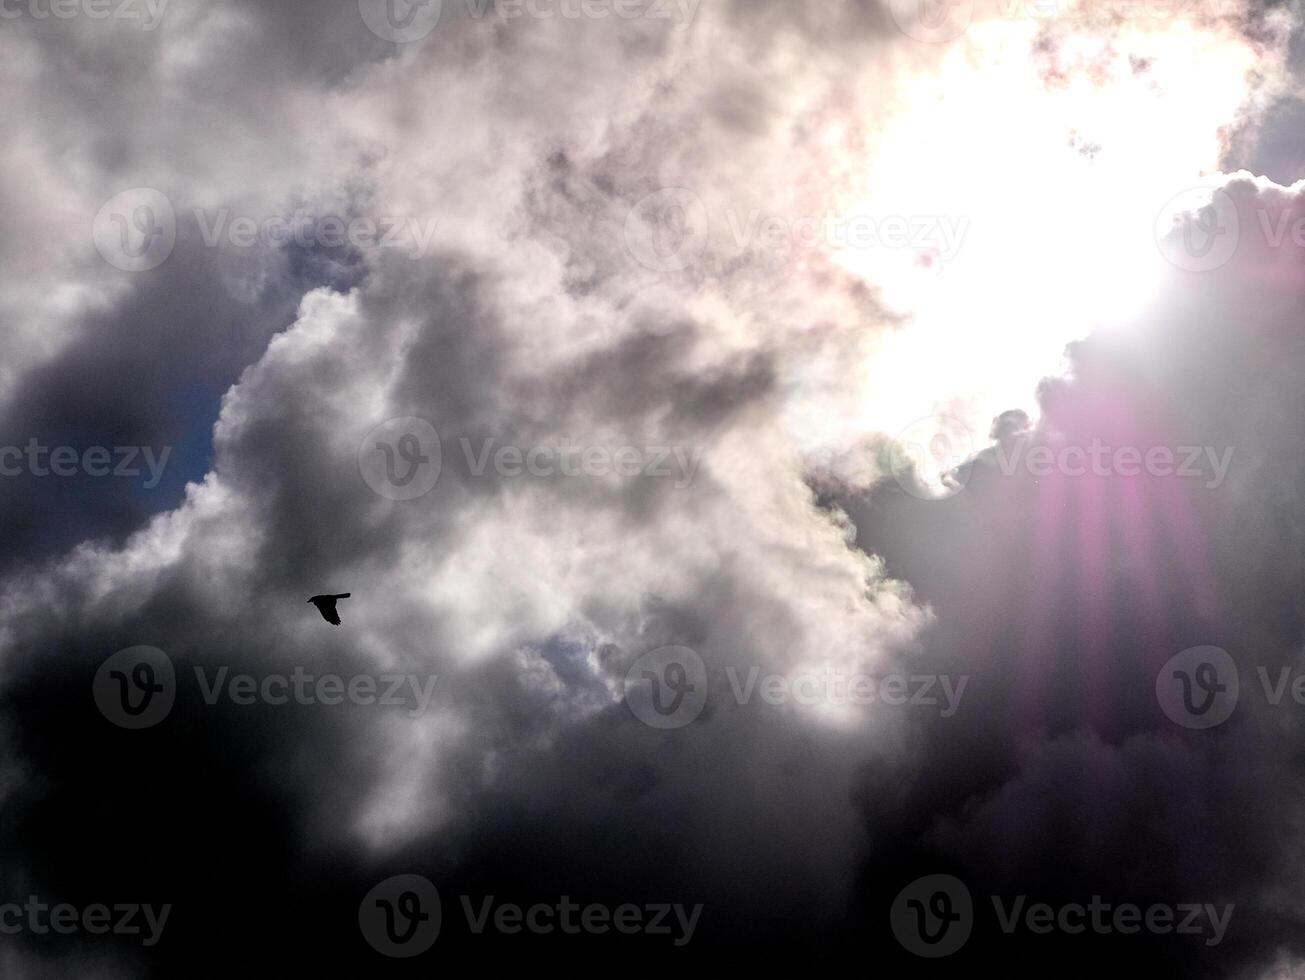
point(1052, 166)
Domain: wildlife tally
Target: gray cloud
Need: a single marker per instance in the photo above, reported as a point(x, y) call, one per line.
point(531, 320)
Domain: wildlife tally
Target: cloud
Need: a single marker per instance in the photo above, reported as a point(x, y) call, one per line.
point(536, 317)
point(1066, 593)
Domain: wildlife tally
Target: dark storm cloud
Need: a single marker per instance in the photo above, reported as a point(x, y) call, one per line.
point(117, 387)
point(1065, 595)
point(528, 599)
point(114, 99)
point(1275, 148)
point(661, 827)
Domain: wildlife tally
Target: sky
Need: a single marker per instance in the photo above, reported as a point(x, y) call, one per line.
point(818, 485)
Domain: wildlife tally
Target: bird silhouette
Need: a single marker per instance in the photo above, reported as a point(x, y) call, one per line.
point(326, 606)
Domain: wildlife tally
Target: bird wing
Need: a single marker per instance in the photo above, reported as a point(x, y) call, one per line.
point(326, 606)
